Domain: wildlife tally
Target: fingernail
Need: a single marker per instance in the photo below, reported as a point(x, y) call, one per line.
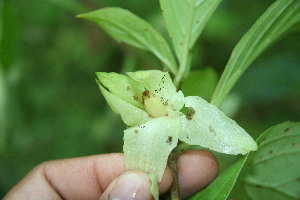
point(130, 185)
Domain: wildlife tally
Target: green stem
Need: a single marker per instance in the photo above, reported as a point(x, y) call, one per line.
point(184, 61)
point(3, 112)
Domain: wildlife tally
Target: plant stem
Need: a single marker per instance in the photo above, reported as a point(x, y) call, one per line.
point(173, 164)
point(185, 58)
point(3, 112)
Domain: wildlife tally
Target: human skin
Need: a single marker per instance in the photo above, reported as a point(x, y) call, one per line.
point(98, 176)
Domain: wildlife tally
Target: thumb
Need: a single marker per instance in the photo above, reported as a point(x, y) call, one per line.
point(130, 185)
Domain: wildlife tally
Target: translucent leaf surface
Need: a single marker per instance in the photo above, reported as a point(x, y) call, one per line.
point(209, 127)
point(221, 187)
point(147, 147)
point(273, 172)
point(276, 21)
point(126, 27)
point(185, 20)
point(124, 87)
point(131, 115)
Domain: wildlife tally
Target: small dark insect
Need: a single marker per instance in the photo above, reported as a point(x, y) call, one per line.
point(270, 152)
point(169, 140)
point(286, 130)
point(211, 130)
point(136, 98)
point(146, 94)
point(190, 113)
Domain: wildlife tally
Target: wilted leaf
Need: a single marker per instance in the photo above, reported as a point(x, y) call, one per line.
point(147, 146)
point(207, 126)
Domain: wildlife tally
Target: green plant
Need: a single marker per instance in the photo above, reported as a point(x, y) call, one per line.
point(185, 21)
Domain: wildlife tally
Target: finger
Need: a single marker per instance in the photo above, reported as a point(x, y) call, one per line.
point(196, 169)
point(88, 177)
point(79, 178)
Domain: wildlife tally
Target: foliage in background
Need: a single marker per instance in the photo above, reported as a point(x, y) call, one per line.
point(54, 106)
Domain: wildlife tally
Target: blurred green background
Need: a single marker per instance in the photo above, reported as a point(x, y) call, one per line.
point(50, 105)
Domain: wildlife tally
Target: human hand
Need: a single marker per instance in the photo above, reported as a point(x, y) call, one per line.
point(104, 177)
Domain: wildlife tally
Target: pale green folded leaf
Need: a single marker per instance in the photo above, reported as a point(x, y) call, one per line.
point(147, 146)
point(156, 82)
point(131, 115)
point(175, 103)
point(160, 85)
point(124, 87)
point(207, 126)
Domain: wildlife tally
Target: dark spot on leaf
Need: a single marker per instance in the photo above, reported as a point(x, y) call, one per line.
point(146, 94)
point(136, 98)
point(197, 22)
point(190, 113)
point(211, 130)
point(169, 140)
point(271, 151)
point(145, 30)
point(286, 130)
point(293, 144)
point(187, 137)
point(136, 131)
point(127, 88)
point(181, 43)
point(260, 157)
point(258, 186)
point(298, 179)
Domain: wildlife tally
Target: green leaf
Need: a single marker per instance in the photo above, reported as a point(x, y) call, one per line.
point(9, 35)
point(70, 5)
point(276, 21)
point(185, 20)
point(207, 126)
point(3, 112)
point(200, 83)
point(273, 171)
point(220, 188)
point(126, 27)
